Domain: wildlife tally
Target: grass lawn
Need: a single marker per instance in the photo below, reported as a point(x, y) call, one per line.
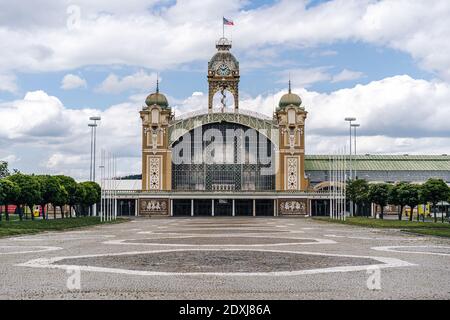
point(16, 227)
point(425, 228)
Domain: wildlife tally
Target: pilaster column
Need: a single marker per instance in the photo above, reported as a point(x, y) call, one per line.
point(254, 207)
point(234, 209)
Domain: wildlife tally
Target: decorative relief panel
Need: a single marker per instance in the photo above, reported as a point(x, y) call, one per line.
point(154, 173)
point(293, 207)
point(153, 207)
point(292, 173)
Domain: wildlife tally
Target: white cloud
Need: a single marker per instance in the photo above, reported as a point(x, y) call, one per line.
point(71, 81)
point(397, 107)
point(48, 137)
point(397, 115)
point(309, 76)
point(140, 34)
point(11, 158)
point(347, 75)
point(305, 77)
point(140, 80)
point(8, 83)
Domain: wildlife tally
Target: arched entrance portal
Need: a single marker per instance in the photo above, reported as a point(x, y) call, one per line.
point(223, 157)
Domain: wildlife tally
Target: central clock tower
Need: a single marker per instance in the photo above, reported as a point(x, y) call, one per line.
point(223, 74)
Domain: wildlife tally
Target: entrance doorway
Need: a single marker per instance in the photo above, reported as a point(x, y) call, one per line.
point(223, 207)
point(203, 208)
point(264, 208)
point(181, 207)
point(126, 207)
point(244, 207)
point(320, 208)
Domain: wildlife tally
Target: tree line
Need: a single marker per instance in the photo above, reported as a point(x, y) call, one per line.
point(401, 194)
point(24, 191)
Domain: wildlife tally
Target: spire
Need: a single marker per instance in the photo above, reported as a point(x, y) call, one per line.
point(290, 91)
point(157, 83)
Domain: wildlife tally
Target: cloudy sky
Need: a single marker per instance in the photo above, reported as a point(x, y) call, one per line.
point(385, 62)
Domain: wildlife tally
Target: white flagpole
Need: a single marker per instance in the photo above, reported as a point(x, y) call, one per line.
point(329, 188)
point(115, 187)
point(342, 183)
point(106, 187)
point(334, 185)
point(101, 187)
point(339, 184)
point(345, 187)
point(109, 187)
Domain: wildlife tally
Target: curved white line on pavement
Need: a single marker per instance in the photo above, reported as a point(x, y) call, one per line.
point(372, 238)
point(136, 243)
point(393, 249)
point(385, 262)
point(27, 249)
point(237, 233)
point(61, 237)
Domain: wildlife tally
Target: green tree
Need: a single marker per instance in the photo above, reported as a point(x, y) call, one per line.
point(60, 199)
point(4, 172)
point(434, 191)
point(9, 192)
point(91, 194)
point(52, 192)
point(358, 192)
point(2, 199)
point(398, 196)
point(379, 194)
point(30, 191)
point(49, 186)
point(412, 195)
point(72, 189)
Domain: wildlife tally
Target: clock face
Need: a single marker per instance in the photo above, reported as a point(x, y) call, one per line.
point(223, 70)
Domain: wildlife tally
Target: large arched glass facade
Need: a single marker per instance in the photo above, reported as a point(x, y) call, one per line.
point(223, 157)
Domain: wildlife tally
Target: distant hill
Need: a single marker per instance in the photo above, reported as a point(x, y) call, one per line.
point(132, 177)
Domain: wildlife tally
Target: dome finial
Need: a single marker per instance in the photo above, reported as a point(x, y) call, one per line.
point(290, 99)
point(290, 91)
point(157, 98)
point(157, 83)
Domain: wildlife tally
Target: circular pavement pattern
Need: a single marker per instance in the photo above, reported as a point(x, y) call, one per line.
point(431, 250)
point(215, 241)
point(25, 249)
point(220, 226)
point(213, 261)
point(218, 231)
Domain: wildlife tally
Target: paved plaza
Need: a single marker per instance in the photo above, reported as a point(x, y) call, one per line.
point(225, 258)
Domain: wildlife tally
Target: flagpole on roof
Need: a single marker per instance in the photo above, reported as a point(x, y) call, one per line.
point(223, 27)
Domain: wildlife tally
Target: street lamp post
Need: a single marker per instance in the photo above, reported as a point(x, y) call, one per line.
point(350, 120)
point(93, 144)
point(93, 127)
point(355, 126)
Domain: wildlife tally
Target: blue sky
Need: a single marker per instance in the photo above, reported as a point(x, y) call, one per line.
point(376, 60)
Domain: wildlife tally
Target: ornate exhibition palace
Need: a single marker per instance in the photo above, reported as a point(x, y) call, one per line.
point(230, 162)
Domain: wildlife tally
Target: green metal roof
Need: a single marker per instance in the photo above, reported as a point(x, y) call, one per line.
point(384, 163)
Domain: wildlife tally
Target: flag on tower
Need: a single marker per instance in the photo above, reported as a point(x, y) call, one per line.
point(227, 22)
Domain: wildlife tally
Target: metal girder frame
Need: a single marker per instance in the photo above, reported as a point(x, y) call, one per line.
point(183, 126)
